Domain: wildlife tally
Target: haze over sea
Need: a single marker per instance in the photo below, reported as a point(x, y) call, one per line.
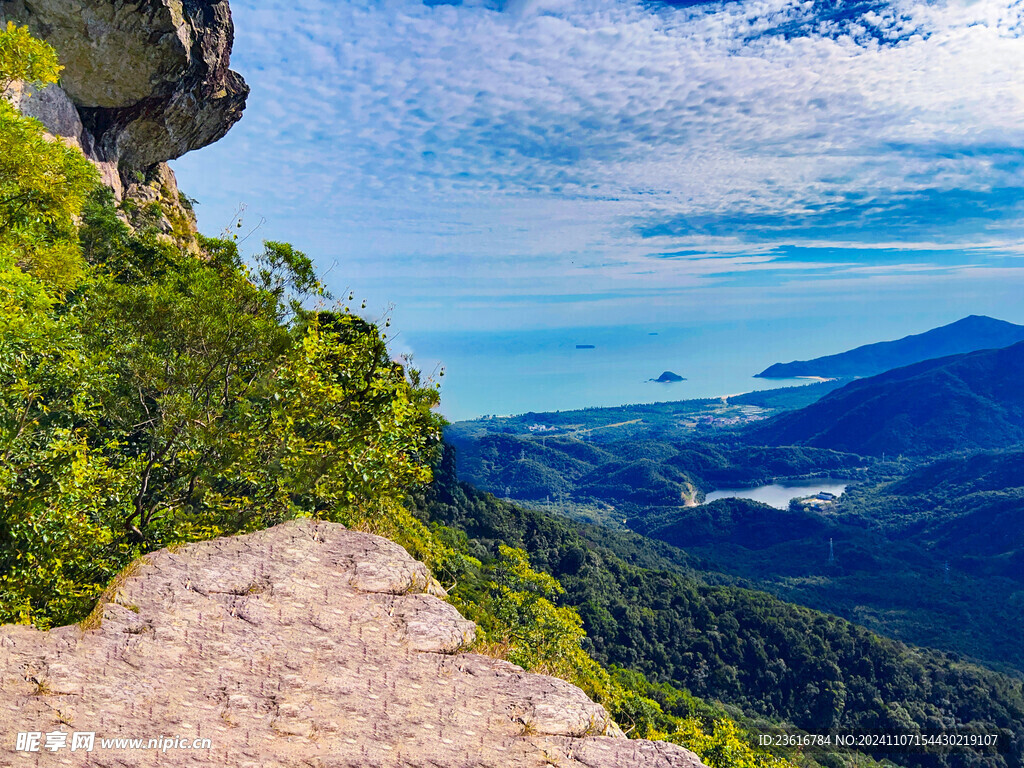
point(510, 372)
point(464, 165)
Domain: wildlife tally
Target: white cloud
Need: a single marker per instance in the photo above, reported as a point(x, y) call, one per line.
point(524, 143)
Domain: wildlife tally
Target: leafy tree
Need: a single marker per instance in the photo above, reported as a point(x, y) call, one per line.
point(43, 183)
point(161, 397)
point(535, 632)
point(44, 473)
point(287, 274)
point(181, 351)
point(336, 432)
point(24, 58)
point(722, 745)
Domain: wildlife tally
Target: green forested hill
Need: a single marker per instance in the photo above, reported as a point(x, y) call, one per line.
point(741, 646)
point(986, 471)
point(966, 335)
point(968, 510)
point(890, 578)
point(634, 472)
point(960, 403)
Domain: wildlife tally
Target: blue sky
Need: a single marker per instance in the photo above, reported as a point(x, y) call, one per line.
point(502, 164)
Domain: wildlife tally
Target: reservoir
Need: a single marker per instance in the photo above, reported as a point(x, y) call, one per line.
point(778, 495)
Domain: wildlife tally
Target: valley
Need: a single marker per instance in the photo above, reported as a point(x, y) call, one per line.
point(920, 547)
point(227, 496)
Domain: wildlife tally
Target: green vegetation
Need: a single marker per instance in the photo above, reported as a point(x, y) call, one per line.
point(42, 183)
point(964, 510)
point(788, 398)
point(518, 619)
point(960, 403)
point(742, 647)
point(669, 422)
point(889, 580)
point(168, 398)
point(636, 474)
point(150, 395)
point(892, 542)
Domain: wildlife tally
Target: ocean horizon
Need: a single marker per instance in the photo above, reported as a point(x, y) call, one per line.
point(503, 373)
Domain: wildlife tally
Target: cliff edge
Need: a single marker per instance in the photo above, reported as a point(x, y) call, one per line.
point(144, 82)
point(304, 644)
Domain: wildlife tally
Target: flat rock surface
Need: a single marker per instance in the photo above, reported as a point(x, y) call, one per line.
point(303, 645)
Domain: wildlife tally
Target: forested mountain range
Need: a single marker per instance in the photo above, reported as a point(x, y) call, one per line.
point(966, 335)
point(888, 577)
point(959, 403)
point(927, 550)
point(968, 510)
point(723, 642)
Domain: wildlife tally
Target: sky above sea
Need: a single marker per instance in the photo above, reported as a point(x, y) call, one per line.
point(847, 171)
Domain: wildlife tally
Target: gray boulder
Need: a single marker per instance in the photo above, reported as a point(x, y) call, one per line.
point(149, 80)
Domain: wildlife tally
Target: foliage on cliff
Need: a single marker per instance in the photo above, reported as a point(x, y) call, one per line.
point(738, 646)
point(42, 183)
point(168, 398)
point(149, 397)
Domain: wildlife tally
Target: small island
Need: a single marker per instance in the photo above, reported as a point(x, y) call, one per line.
point(668, 378)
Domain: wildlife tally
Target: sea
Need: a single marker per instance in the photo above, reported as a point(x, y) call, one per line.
point(513, 372)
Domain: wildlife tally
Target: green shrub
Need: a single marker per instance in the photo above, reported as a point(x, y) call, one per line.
point(148, 397)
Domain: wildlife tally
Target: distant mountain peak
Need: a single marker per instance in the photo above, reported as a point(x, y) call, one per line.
point(978, 320)
point(968, 334)
point(960, 402)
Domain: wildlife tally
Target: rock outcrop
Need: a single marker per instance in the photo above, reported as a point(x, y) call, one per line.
point(305, 644)
point(144, 81)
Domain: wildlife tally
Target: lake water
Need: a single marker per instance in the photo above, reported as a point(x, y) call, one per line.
point(778, 495)
point(503, 372)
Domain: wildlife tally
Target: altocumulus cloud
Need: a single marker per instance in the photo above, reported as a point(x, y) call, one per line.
point(552, 141)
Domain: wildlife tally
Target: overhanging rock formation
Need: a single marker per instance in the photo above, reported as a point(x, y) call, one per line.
point(305, 644)
point(144, 81)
